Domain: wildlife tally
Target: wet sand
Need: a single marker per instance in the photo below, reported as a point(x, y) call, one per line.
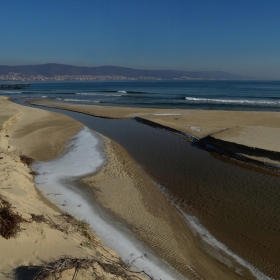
point(251, 218)
point(128, 194)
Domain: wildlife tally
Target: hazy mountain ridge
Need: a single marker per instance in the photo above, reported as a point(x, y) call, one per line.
point(53, 69)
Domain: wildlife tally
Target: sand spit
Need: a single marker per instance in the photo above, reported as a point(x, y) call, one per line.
point(256, 131)
point(44, 233)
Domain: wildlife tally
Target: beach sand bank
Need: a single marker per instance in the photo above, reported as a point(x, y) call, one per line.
point(247, 133)
point(44, 232)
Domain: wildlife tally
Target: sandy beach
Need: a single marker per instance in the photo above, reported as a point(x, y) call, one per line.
point(43, 233)
point(142, 206)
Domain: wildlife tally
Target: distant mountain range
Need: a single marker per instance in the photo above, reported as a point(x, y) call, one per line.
point(53, 69)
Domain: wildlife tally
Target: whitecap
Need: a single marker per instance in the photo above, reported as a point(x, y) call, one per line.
point(76, 100)
point(87, 93)
point(257, 103)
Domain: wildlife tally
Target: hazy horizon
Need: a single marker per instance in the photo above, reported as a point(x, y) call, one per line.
point(239, 38)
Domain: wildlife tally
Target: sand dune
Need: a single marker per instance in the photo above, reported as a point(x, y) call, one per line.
point(44, 233)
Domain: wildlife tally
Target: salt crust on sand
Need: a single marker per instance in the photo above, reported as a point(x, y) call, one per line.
point(56, 181)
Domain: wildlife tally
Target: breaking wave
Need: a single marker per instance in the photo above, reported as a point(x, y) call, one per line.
point(241, 102)
point(115, 93)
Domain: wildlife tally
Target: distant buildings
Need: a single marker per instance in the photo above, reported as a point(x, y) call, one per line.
point(12, 76)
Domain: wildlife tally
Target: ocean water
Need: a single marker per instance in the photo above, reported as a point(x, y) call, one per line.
point(211, 95)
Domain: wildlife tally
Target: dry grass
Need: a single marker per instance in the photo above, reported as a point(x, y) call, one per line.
point(66, 224)
point(54, 268)
point(116, 269)
point(95, 265)
point(38, 218)
point(79, 225)
point(9, 221)
point(26, 160)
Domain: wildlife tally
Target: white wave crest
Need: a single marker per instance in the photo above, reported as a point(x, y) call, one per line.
point(260, 103)
point(119, 93)
point(87, 93)
point(76, 100)
point(122, 91)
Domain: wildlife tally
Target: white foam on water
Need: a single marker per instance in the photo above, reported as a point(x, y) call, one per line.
point(119, 93)
point(258, 103)
point(88, 93)
point(56, 182)
point(76, 100)
point(122, 91)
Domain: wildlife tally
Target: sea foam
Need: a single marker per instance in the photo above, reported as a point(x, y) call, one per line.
point(256, 103)
point(56, 181)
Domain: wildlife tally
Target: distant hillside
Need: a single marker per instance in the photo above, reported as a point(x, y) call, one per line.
point(52, 69)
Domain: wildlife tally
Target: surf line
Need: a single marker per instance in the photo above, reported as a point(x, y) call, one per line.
point(84, 156)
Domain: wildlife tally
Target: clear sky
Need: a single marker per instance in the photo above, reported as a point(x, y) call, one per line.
point(237, 36)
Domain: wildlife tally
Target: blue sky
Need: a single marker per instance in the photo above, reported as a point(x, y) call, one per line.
point(241, 37)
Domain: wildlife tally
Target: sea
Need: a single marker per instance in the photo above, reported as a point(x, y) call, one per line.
point(208, 95)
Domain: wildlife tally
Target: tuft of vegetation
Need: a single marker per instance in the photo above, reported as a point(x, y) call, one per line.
point(81, 225)
point(9, 221)
point(87, 244)
point(38, 218)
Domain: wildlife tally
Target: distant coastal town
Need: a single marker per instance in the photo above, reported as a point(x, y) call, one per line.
point(13, 76)
point(28, 78)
